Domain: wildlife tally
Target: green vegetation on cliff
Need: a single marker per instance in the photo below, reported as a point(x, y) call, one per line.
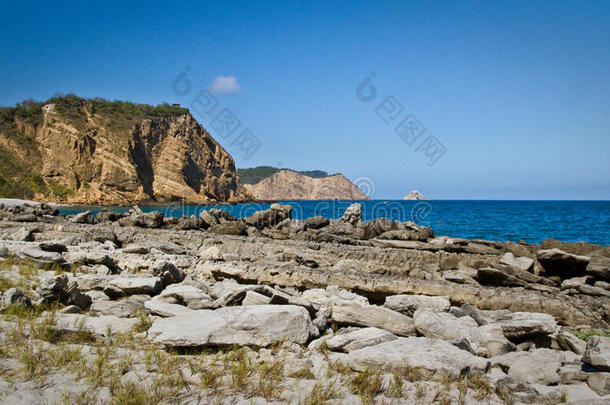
point(256, 174)
point(20, 159)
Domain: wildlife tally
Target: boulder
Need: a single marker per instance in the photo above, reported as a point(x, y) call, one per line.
point(556, 262)
point(432, 358)
point(255, 325)
point(14, 296)
point(316, 222)
point(85, 217)
point(211, 253)
point(270, 217)
point(597, 353)
point(108, 216)
point(431, 325)
point(143, 220)
point(23, 235)
point(485, 341)
point(229, 228)
point(540, 366)
point(254, 298)
point(121, 309)
point(62, 289)
point(332, 295)
point(521, 325)
point(348, 342)
point(517, 263)
point(215, 216)
point(491, 276)
point(599, 266)
point(41, 256)
point(353, 214)
point(373, 316)
point(575, 282)
point(87, 282)
point(592, 290)
point(568, 341)
point(408, 304)
point(600, 383)
point(168, 272)
point(183, 294)
point(282, 298)
point(136, 285)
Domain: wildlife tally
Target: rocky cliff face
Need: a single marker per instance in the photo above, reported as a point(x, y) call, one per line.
point(290, 185)
point(98, 152)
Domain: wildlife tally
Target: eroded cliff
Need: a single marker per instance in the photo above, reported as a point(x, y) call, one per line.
point(80, 151)
point(291, 185)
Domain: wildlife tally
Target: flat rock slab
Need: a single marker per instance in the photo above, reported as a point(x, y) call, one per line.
point(540, 366)
point(408, 304)
point(121, 309)
point(253, 325)
point(348, 342)
point(100, 325)
point(137, 285)
point(41, 256)
point(519, 325)
point(486, 341)
point(432, 358)
point(165, 309)
point(185, 294)
point(373, 316)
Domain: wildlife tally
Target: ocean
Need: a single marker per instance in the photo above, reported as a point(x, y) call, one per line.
point(529, 221)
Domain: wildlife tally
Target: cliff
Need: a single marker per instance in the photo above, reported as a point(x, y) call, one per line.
point(256, 174)
point(291, 185)
point(79, 151)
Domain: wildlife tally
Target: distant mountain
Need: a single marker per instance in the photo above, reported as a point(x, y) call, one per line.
point(256, 174)
point(291, 185)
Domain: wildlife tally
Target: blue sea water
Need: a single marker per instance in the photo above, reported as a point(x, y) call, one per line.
point(530, 221)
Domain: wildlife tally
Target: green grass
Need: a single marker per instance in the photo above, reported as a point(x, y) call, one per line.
point(22, 161)
point(587, 335)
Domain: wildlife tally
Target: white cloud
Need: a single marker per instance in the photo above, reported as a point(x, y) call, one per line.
point(225, 84)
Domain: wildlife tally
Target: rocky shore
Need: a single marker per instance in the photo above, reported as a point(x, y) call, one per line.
point(138, 308)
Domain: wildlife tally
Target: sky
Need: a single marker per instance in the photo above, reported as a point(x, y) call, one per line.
point(494, 100)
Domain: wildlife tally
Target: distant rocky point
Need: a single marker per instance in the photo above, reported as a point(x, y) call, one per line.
point(256, 174)
point(93, 151)
point(291, 185)
point(414, 195)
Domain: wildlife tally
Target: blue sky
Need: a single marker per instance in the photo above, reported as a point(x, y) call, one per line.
point(517, 93)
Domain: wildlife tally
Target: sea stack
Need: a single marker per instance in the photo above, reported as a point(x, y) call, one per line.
point(414, 195)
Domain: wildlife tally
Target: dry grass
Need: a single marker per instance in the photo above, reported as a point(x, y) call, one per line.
point(322, 393)
point(367, 385)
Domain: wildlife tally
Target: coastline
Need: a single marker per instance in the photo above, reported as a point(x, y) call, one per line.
point(342, 297)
